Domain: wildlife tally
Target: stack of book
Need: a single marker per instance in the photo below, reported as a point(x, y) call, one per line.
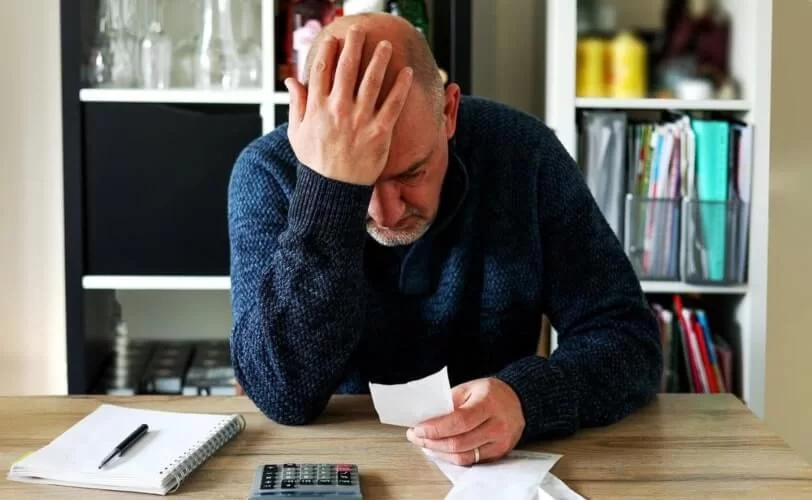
point(695, 359)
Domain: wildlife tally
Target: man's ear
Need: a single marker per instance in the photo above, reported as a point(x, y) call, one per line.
point(451, 109)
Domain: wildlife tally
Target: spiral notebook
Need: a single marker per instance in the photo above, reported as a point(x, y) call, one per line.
point(175, 445)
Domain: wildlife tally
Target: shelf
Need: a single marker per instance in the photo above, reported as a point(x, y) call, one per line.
point(223, 283)
point(662, 104)
point(677, 287)
point(247, 96)
point(156, 283)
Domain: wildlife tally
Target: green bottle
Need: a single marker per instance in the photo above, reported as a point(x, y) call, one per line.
point(414, 11)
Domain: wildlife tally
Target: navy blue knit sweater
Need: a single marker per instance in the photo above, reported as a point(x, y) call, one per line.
point(320, 308)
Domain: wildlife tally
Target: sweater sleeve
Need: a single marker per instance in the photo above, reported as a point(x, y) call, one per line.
point(296, 271)
point(608, 359)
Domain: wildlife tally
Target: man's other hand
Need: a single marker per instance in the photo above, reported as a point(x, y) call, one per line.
point(341, 135)
point(487, 416)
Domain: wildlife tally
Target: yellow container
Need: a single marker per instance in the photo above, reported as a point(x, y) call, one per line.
point(591, 67)
point(627, 75)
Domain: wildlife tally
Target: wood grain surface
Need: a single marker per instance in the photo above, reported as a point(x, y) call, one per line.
point(680, 446)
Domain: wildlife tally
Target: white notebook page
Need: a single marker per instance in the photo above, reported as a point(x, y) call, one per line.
point(75, 455)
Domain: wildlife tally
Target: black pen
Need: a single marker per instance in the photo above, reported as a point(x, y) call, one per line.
point(123, 446)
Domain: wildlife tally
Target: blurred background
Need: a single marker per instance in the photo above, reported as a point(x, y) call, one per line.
point(121, 120)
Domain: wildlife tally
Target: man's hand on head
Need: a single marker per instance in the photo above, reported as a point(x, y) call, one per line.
point(332, 130)
point(487, 417)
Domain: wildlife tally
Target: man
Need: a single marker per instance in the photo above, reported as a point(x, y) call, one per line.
point(393, 228)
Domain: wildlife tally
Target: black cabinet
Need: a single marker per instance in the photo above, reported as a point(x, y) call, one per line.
point(155, 181)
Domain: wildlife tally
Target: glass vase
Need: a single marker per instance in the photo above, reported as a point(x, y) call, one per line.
point(217, 62)
point(250, 49)
point(156, 50)
point(112, 55)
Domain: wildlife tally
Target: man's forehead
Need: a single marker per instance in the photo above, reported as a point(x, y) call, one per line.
point(416, 124)
point(412, 141)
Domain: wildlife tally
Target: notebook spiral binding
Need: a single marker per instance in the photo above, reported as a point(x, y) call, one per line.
point(180, 469)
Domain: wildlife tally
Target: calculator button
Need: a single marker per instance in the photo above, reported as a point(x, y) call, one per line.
point(268, 485)
point(345, 482)
point(270, 468)
point(306, 482)
point(343, 467)
point(288, 484)
point(290, 466)
point(325, 482)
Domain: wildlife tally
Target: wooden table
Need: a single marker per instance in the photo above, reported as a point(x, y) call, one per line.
point(696, 446)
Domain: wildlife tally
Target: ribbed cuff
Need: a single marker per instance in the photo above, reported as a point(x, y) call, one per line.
point(548, 400)
point(333, 208)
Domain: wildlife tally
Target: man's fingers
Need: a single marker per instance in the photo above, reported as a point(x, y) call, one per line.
point(461, 420)
point(298, 100)
point(487, 452)
point(370, 87)
point(392, 106)
point(321, 71)
point(459, 443)
point(348, 64)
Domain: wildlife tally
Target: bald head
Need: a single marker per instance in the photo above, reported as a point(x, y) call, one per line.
point(409, 48)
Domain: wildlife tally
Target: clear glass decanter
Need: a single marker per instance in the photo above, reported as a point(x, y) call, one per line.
point(184, 58)
point(112, 56)
point(250, 49)
point(217, 62)
point(156, 50)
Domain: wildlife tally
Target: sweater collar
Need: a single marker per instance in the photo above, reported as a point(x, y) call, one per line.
point(415, 269)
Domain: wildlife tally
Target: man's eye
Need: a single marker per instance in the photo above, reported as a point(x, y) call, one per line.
point(412, 176)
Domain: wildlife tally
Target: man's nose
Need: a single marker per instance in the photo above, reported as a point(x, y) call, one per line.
point(386, 208)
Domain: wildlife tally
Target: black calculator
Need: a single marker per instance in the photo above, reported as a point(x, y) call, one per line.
point(307, 481)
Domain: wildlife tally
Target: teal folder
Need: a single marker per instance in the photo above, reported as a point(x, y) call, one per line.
point(712, 149)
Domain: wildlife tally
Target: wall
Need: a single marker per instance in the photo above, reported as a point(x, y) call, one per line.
point(32, 331)
point(507, 52)
point(789, 318)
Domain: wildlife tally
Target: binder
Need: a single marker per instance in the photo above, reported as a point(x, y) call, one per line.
point(604, 163)
point(712, 150)
point(744, 172)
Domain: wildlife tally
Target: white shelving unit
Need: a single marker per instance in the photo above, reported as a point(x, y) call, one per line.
point(94, 282)
point(687, 288)
point(156, 283)
point(662, 104)
point(750, 65)
point(178, 96)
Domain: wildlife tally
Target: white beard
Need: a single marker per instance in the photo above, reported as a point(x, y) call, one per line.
point(396, 238)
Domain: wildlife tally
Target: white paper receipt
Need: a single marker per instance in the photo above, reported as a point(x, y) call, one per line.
point(522, 475)
point(413, 402)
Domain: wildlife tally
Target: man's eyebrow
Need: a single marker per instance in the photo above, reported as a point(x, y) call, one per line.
point(414, 167)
